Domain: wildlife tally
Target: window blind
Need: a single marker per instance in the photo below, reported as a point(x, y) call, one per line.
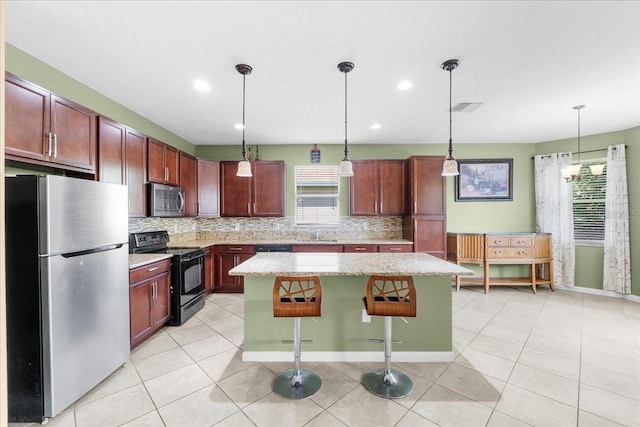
point(317, 194)
point(589, 204)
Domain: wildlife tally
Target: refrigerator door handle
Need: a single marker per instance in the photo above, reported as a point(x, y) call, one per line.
point(92, 251)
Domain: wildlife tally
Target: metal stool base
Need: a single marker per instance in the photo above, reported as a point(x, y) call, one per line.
point(391, 383)
point(296, 385)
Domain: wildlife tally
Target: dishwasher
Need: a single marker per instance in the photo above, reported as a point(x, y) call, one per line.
point(273, 248)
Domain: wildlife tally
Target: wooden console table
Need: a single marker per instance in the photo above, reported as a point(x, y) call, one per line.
point(502, 248)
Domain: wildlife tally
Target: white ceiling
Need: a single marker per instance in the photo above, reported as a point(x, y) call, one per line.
point(529, 62)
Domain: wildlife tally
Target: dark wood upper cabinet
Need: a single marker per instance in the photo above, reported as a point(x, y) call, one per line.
point(235, 191)
point(162, 163)
point(189, 183)
point(122, 160)
point(426, 186)
point(111, 151)
point(377, 187)
point(268, 188)
point(135, 170)
point(263, 194)
point(46, 129)
point(208, 188)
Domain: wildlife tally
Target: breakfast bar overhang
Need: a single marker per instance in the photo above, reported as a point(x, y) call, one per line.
point(343, 330)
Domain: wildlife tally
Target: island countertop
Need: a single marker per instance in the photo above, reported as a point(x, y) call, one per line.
point(347, 264)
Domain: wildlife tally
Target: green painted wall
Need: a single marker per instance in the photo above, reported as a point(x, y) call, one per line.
point(35, 71)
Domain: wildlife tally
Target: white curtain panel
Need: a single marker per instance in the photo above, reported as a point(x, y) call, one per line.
point(554, 213)
point(617, 256)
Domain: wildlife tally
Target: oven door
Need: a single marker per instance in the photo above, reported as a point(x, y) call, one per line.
point(191, 279)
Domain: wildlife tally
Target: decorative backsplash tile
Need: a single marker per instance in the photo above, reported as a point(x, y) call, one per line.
point(277, 229)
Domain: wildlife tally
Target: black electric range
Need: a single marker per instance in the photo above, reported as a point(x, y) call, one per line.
point(187, 272)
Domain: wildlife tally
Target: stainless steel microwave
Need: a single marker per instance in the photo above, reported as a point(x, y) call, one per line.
point(165, 200)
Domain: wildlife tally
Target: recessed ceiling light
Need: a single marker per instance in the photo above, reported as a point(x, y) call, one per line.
point(238, 126)
point(405, 85)
point(202, 86)
point(376, 126)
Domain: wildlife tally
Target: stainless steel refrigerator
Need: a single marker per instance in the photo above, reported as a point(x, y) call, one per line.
point(67, 290)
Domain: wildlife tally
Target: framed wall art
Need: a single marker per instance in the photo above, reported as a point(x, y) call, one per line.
point(484, 180)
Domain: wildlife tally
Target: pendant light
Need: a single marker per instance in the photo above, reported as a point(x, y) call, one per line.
point(244, 166)
point(572, 172)
point(346, 168)
point(450, 166)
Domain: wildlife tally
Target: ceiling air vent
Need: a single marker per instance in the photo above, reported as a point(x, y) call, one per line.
point(466, 107)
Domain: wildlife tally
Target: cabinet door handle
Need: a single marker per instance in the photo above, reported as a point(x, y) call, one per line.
point(395, 249)
point(375, 207)
point(359, 249)
point(498, 252)
point(248, 207)
point(50, 148)
point(153, 269)
point(381, 204)
point(235, 261)
point(520, 241)
point(235, 249)
point(254, 207)
point(498, 241)
point(521, 252)
point(166, 173)
point(55, 145)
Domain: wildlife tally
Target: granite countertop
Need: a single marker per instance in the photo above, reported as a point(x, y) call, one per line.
point(347, 264)
point(138, 260)
point(203, 243)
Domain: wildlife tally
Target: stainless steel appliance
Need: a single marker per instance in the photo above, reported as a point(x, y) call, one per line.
point(187, 273)
point(165, 201)
point(273, 248)
point(67, 290)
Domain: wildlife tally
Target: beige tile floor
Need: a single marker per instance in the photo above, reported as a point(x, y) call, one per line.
point(555, 358)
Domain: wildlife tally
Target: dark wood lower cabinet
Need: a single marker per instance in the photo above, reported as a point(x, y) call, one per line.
point(227, 257)
point(149, 299)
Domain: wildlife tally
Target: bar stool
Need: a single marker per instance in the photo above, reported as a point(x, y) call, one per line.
point(389, 296)
point(297, 297)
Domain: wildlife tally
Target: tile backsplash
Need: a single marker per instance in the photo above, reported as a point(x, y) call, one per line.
point(276, 229)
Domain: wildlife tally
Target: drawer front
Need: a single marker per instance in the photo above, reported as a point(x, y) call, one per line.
point(498, 241)
point(395, 248)
point(147, 271)
point(498, 253)
point(521, 241)
point(360, 248)
point(235, 249)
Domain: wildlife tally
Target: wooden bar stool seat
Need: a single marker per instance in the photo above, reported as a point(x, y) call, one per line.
point(297, 297)
point(389, 296)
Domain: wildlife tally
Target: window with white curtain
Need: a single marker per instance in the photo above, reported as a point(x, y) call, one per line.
point(317, 194)
point(589, 204)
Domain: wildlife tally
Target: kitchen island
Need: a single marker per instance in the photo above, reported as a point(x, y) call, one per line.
point(342, 332)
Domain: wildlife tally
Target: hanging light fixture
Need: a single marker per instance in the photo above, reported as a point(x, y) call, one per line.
point(346, 168)
point(450, 166)
point(596, 170)
point(572, 172)
point(244, 166)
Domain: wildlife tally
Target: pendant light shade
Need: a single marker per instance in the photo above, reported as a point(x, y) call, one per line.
point(450, 166)
point(596, 170)
point(244, 166)
point(346, 168)
point(572, 172)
